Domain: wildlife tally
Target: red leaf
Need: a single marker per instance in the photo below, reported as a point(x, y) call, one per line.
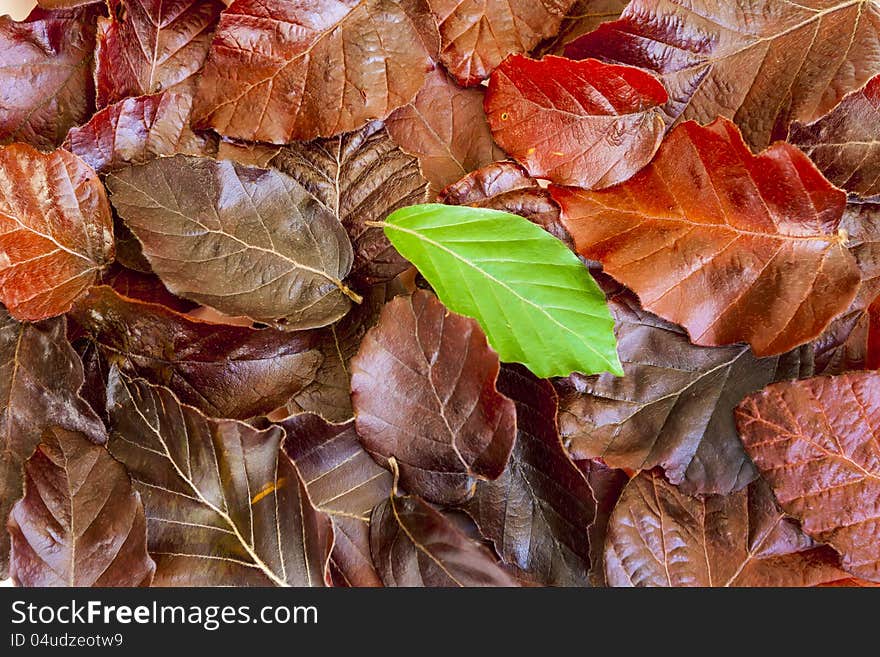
point(56, 232)
point(577, 123)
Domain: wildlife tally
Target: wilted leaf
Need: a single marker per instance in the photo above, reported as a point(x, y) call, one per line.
point(658, 536)
point(584, 16)
point(845, 143)
point(144, 287)
point(40, 376)
point(538, 511)
point(253, 155)
point(79, 523)
point(147, 46)
point(761, 63)
point(607, 484)
point(533, 298)
point(732, 246)
point(423, 391)
point(415, 545)
point(674, 405)
point(446, 128)
point(280, 71)
point(476, 35)
point(816, 442)
point(245, 241)
point(344, 482)
point(224, 504)
point(359, 177)
point(861, 224)
point(56, 233)
point(136, 130)
point(45, 75)
point(226, 371)
point(577, 123)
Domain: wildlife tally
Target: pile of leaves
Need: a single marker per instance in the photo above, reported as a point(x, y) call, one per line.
point(433, 293)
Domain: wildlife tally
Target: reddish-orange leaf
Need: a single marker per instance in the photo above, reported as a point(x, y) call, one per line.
point(577, 123)
point(56, 232)
point(818, 444)
point(733, 246)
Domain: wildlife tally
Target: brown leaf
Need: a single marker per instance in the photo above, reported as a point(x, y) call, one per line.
point(576, 123)
point(732, 246)
point(46, 75)
point(252, 155)
point(281, 71)
point(415, 545)
point(658, 536)
point(242, 240)
point(143, 287)
point(225, 506)
point(538, 511)
point(423, 391)
point(136, 130)
point(344, 482)
point(56, 233)
point(225, 371)
point(360, 177)
point(845, 143)
point(445, 127)
point(607, 484)
point(761, 63)
point(40, 376)
point(475, 35)
point(584, 16)
point(147, 46)
point(506, 186)
point(816, 442)
point(79, 523)
point(674, 405)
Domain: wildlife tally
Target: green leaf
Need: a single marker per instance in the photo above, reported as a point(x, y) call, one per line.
point(535, 300)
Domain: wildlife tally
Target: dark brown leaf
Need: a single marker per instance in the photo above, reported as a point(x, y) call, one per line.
point(607, 484)
point(147, 46)
point(584, 16)
point(423, 391)
point(40, 376)
point(46, 76)
point(225, 506)
point(360, 177)
point(674, 405)
point(538, 511)
point(658, 536)
point(280, 71)
point(79, 523)
point(344, 482)
point(818, 444)
point(242, 240)
point(445, 127)
point(144, 287)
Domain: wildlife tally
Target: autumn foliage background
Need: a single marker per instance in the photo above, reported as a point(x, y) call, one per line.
point(217, 369)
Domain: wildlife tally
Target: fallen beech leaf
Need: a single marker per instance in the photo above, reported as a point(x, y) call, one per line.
point(577, 123)
point(40, 376)
point(280, 71)
point(475, 35)
point(423, 392)
point(45, 75)
point(225, 506)
point(659, 536)
point(845, 143)
point(506, 186)
point(415, 545)
point(361, 176)
point(144, 287)
point(63, 4)
point(761, 63)
point(136, 130)
point(344, 482)
point(607, 484)
point(225, 371)
point(146, 46)
point(584, 16)
point(446, 128)
point(816, 442)
point(732, 246)
point(861, 223)
point(79, 523)
point(252, 155)
point(538, 511)
point(56, 233)
point(242, 240)
point(533, 298)
point(674, 405)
